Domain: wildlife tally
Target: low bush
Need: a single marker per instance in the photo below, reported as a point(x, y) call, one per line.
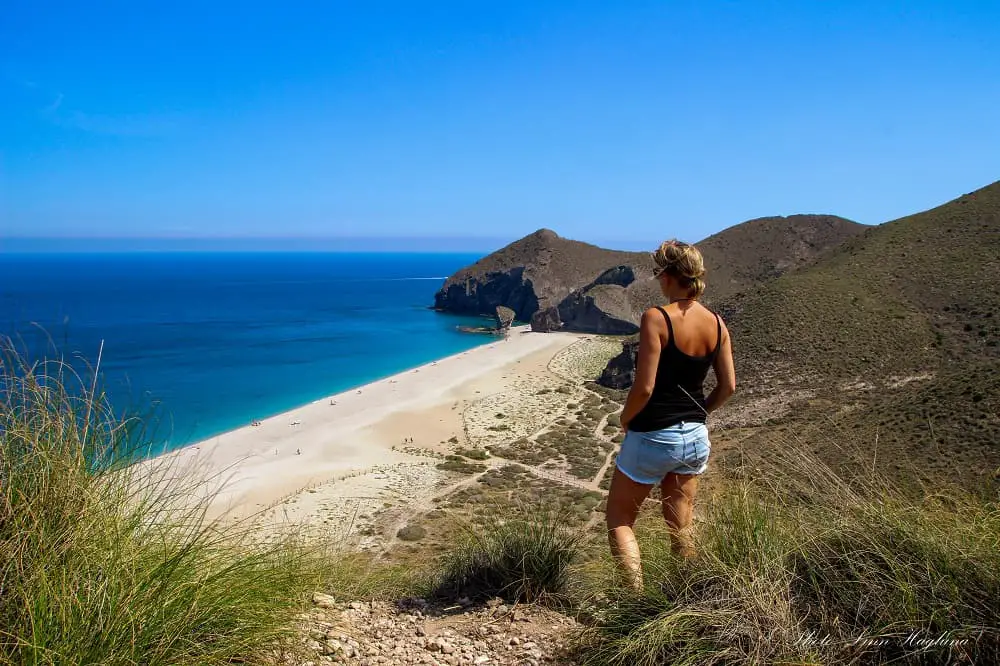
point(455, 463)
point(519, 556)
point(411, 533)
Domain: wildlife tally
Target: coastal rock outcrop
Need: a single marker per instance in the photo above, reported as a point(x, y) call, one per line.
point(531, 275)
point(559, 284)
point(620, 371)
point(608, 305)
point(482, 293)
point(547, 320)
point(603, 309)
point(505, 317)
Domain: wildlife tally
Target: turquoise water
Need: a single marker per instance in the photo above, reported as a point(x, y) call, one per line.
point(210, 341)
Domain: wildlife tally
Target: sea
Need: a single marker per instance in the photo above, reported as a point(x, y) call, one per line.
point(201, 343)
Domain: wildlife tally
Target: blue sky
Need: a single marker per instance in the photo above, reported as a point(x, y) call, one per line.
point(615, 122)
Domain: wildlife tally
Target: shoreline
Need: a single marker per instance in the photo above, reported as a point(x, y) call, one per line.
point(358, 430)
point(200, 440)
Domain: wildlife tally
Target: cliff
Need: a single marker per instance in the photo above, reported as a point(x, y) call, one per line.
point(530, 275)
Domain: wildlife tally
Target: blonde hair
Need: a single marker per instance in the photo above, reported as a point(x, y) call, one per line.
point(684, 263)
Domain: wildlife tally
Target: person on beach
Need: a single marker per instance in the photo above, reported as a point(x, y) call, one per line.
point(666, 439)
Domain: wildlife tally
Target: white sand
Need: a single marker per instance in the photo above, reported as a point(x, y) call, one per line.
point(355, 432)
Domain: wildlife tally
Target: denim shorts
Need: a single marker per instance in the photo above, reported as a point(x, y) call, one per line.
point(647, 457)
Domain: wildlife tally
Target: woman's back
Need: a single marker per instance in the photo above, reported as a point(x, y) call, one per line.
point(690, 344)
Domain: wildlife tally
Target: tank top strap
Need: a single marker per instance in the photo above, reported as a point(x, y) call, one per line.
point(670, 327)
point(718, 333)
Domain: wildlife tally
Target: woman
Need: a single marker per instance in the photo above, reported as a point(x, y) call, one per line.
point(666, 440)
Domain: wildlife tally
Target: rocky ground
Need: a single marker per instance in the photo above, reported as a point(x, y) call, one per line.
point(413, 631)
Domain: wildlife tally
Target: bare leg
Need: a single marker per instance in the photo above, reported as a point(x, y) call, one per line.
point(624, 500)
point(678, 492)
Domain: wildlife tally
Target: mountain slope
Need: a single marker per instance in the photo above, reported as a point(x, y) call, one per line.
point(759, 250)
point(561, 284)
point(918, 290)
point(892, 336)
point(751, 253)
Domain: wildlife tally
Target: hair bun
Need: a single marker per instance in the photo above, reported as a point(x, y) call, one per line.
point(683, 262)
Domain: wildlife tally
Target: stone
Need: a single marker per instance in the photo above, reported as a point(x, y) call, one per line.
point(547, 320)
point(323, 600)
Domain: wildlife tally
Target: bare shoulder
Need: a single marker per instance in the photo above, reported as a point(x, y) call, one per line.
point(652, 312)
point(722, 324)
point(717, 316)
point(653, 317)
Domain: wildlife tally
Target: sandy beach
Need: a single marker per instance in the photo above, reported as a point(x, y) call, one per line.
point(369, 444)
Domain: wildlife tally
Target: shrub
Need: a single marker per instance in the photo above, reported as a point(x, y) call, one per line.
point(454, 463)
point(102, 563)
point(520, 556)
point(473, 454)
point(412, 533)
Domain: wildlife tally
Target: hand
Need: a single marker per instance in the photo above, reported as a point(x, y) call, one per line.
point(625, 427)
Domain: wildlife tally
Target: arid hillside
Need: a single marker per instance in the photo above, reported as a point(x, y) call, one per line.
point(890, 339)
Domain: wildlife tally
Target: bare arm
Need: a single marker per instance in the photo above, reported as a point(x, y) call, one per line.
point(725, 374)
point(651, 330)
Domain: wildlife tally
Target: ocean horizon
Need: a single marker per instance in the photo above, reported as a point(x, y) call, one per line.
point(207, 342)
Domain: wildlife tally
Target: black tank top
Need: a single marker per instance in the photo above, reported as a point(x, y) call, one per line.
point(678, 394)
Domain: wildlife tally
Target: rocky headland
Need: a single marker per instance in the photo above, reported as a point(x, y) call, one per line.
point(560, 284)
